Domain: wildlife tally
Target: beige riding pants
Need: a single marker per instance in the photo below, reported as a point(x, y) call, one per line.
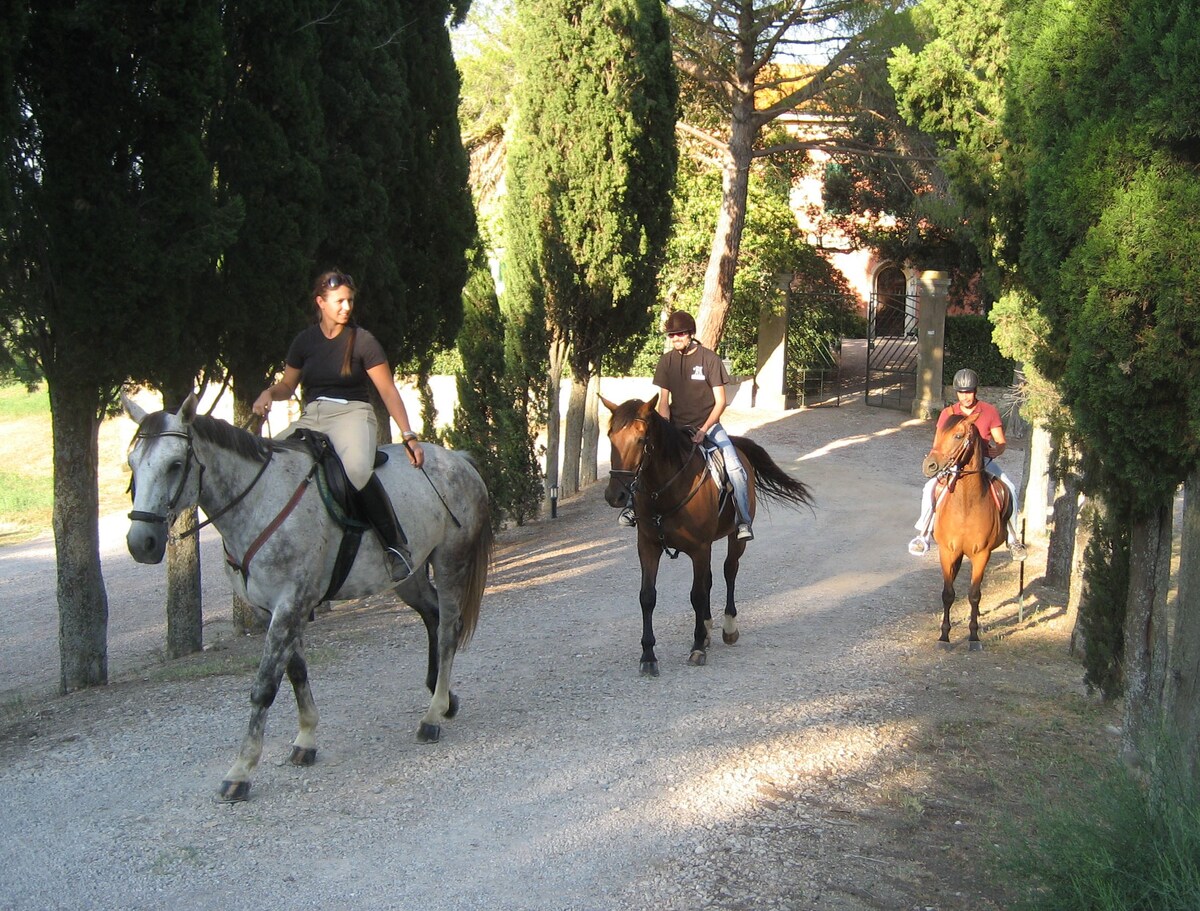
point(352, 429)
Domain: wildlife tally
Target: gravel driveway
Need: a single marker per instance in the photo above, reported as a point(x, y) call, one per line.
point(566, 782)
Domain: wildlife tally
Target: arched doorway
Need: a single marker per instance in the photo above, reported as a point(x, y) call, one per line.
point(891, 340)
point(889, 303)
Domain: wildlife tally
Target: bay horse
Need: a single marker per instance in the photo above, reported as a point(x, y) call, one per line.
point(281, 544)
point(971, 509)
point(656, 467)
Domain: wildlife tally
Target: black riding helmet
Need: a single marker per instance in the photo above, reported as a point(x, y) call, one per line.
point(966, 380)
point(680, 321)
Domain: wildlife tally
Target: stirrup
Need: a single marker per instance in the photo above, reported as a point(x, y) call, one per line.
point(400, 563)
point(918, 546)
point(627, 518)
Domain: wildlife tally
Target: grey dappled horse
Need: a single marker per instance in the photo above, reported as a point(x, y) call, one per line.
point(281, 544)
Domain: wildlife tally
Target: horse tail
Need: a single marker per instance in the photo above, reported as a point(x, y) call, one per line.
point(772, 481)
point(478, 564)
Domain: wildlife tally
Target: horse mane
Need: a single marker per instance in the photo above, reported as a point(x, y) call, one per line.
point(675, 444)
point(225, 436)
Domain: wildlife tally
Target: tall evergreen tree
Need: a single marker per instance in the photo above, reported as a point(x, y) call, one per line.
point(593, 161)
point(397, 213)
point(1107, 109)
point(108, 220)
point(267, 141)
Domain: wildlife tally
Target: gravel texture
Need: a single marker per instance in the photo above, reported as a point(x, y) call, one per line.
point(566, 781)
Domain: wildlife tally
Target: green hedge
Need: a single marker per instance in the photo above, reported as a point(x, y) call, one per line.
point(969, 344)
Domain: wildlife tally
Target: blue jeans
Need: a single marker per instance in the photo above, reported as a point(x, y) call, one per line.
point(736, 472)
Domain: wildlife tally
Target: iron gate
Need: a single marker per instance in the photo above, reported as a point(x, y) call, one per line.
point(892, 350)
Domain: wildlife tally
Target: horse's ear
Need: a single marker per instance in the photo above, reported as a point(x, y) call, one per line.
point(135, 411)
point(187, 411)
point(611, 406)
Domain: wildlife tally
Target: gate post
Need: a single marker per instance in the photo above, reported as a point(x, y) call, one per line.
point(770, 379)
point(932, 297)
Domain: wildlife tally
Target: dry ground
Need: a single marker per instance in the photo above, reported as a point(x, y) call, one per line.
point(834, 759)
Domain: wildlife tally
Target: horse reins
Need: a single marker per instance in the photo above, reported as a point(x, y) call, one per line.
point(634, 484)
point(138, 515)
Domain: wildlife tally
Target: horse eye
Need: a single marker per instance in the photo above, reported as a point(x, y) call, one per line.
point(175, 466)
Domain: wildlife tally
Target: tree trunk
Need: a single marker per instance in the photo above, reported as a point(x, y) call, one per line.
point(558, 356)
point(727, 239)
point(573, 437)
point(1083, 534)
point(185, 614)
point(1060, 553)
point(1183, 686)
point(589, 455)
point(1146, 632)
point(82, 601)
point(1040, 449)
point(245, 619)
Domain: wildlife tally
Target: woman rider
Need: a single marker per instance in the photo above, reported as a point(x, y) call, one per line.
point(336, 361)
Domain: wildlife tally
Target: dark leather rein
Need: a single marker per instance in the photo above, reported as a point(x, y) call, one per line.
point(634, 484)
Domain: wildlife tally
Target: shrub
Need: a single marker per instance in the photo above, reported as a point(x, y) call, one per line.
point(969, 344)
point(1124, 846)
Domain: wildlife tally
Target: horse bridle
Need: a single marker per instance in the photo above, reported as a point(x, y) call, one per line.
point(635, 476)
point(954, 467)
point(138, 515)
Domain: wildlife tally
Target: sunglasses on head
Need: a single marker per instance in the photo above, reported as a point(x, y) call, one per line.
point(337, 279)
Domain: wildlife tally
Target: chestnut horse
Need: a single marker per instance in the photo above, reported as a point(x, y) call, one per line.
point(971, 509)
point(679, 508)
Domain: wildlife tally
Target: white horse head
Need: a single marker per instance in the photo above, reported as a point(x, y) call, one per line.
point(165, 478)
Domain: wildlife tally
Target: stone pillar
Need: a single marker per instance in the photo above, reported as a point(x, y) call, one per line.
point(770, 377)
point(932, 293)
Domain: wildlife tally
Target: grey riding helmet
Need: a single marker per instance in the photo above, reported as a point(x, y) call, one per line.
point(966, 380)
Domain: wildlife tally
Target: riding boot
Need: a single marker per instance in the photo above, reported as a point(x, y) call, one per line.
point(377, 509)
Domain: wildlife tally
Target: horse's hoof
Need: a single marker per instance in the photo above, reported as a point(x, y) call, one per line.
point(233, 791)
point(649, 669)
point(731, 638)
point(303, 756)
point(429, 733)
point(698, 658)
point(975, 646)
point(453, 709)
point(944, 645)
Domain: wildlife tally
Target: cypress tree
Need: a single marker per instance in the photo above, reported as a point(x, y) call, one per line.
point(592, 164)
point(108, 220)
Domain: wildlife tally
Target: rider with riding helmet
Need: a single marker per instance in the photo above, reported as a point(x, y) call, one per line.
point(691, 382)
point(991, 429)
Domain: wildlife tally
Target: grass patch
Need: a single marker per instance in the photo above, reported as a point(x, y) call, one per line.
point(1119, 845)
point(27, 454)
point(17, 402)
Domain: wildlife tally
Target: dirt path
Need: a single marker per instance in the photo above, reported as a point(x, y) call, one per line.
point(832, 759)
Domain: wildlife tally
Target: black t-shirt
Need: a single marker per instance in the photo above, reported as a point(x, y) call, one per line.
point(319, 360)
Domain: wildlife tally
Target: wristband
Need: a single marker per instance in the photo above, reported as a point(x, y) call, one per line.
point(408, 435)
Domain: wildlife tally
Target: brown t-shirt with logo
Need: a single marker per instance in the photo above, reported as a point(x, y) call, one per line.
point(690, 379)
